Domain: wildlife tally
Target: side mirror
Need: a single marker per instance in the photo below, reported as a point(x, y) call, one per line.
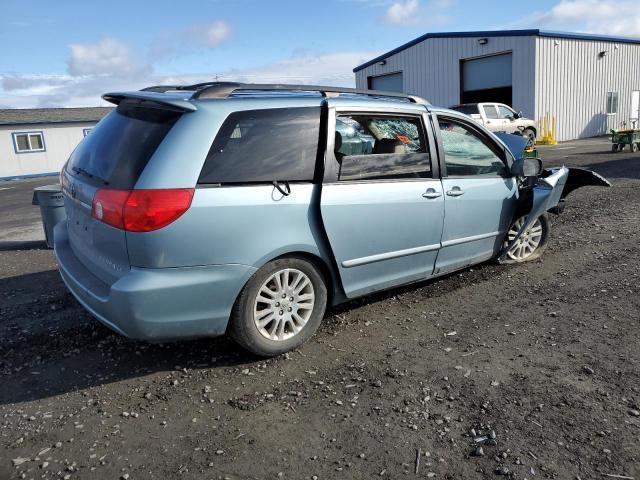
point(518, 114)
point(527, 167)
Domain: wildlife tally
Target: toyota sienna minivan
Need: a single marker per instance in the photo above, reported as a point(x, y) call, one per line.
point(222, 207)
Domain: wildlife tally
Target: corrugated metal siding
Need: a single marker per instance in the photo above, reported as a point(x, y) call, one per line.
point(432, 68)
point(572, 82)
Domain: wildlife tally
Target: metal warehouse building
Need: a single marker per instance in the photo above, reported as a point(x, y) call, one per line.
point(588, 83)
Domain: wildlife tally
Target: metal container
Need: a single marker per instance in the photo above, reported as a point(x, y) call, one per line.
point(51, 202)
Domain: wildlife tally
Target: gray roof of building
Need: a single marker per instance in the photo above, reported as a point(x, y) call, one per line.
point(500, 33)
point(24, 116)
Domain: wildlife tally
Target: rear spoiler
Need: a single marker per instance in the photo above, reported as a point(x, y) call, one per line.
point(152, 100)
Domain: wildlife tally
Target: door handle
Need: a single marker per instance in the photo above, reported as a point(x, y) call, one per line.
point(455, 192)
point(431, 193)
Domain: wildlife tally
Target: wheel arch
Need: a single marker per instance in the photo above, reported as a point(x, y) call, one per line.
point(335, 291)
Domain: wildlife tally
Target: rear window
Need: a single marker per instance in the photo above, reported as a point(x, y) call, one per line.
point(466, 109)
point(263, 146)
point(121, 145)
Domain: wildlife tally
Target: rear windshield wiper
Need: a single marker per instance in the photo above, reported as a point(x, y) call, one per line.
point(82, 171)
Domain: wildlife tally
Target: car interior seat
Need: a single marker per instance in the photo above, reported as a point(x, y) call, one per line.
point(389, 145)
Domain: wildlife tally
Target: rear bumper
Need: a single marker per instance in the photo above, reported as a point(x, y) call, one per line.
point(155, 304)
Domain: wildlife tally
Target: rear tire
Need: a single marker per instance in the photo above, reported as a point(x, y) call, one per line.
point(531, 244)
point(280, 307)
point(614, 147)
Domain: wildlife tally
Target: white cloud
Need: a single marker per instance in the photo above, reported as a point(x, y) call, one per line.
point(171, 42)
point(401, 12)
point(621, 17)
point(109, 56)
point(211, 35)
point(29, 91)
point(332, 69)
point(413, 12)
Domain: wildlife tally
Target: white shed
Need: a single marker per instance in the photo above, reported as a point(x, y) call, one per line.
point(37, 141)
point(588, 83)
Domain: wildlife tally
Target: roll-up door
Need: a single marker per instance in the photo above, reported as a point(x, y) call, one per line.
point(389, 83)
point(487, 79)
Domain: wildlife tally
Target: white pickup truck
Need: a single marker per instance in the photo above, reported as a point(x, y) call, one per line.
point(499, 117)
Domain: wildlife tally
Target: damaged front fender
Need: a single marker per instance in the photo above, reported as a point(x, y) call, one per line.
point(549, 191)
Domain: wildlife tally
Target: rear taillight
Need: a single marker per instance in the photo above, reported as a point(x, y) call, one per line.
point(140, 210)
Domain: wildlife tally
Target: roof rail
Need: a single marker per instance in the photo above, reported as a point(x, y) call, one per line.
point(226, 89)
point(160, 88)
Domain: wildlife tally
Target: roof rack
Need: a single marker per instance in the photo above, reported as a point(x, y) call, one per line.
point(226, 89)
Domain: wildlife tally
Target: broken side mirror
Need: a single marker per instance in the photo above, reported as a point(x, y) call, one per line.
point(527, 167)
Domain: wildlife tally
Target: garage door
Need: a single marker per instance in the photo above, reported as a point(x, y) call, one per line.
point(487, 79)
point(389, 83)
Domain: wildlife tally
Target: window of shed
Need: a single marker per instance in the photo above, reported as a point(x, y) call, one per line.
point(612, 103)
point(28, 142)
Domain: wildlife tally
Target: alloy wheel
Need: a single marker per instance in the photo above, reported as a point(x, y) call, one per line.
point(284, 304)
point(528, 242)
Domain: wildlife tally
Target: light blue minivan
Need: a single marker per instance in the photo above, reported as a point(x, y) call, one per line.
point(201, 209)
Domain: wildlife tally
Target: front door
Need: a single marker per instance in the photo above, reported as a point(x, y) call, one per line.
point(480, 195)
point(383, 207)
point(508, 118)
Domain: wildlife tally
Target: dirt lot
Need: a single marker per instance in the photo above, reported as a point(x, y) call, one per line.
point(544, 356)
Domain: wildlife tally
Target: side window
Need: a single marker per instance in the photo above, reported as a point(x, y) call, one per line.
point(263, 146)
point(490, 112)
point(505, 113)
point(24, 142)
point(467, 152)
point(378, 147)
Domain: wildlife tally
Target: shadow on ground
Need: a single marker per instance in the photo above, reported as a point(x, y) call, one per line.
point(53, 346)
point(8, 245)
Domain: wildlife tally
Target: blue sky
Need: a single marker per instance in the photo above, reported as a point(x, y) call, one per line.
point(72, 51)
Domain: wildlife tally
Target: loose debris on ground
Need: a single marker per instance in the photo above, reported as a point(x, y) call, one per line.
point(520, 372)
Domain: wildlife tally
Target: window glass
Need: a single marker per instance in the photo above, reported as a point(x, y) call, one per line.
point(505, 112)
point(22, 141)
point(467, 152)
point(371, 147)
point(36, 141)
point(490, 111)
point(467, 109)
point(263, 146)
point(121, 145)
point(612, 103)
point(28, 142)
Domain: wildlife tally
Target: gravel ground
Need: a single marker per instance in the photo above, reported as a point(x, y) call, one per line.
point(528, 371)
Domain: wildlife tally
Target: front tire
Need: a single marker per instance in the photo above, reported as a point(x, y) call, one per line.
point(531, 244)
point(530, 135)
point(280, 307)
